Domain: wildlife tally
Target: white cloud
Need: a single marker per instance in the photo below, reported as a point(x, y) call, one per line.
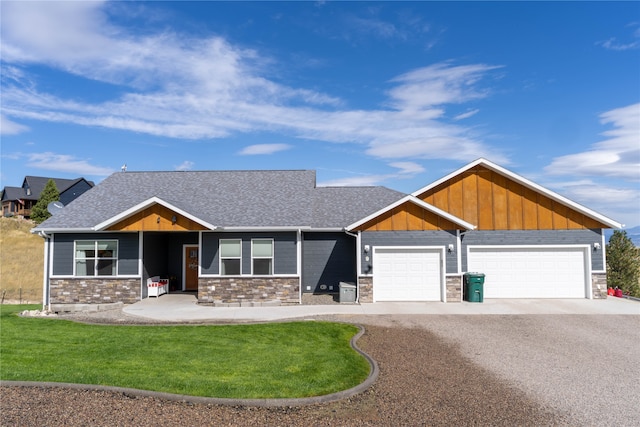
point(613, 44)
point(439, 84)
point(263, 149)
point(355, 181)
point(185, 166)
point(7, 127)
point(65, 163)
point(616, 156)
point(407, 168)
point(179, 86)
point(466, 115)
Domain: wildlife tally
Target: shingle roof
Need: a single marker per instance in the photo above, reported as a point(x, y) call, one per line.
point(37, 184)
point(227, 199)
point(12, 193)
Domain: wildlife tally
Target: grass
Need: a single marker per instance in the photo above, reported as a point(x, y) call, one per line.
point(279, 360)
point(21, 261)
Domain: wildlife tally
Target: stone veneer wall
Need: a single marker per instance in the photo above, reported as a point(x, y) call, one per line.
point(454, 288)
point(365, 289)
point(94, 291)
point(239, 291)
point(599, 285)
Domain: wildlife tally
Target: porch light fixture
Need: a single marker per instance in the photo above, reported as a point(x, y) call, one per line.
point(596, 246)
point(158, 220)
point(450, 247)
point(174, 219)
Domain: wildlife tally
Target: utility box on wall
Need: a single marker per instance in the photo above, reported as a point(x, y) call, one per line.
point(347, 292)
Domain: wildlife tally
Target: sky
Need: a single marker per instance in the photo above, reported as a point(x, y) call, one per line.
point(397, 94)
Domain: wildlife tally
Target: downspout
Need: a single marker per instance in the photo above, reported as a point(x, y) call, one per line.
point(299, 263)
point(358, 262)
point(45, 275)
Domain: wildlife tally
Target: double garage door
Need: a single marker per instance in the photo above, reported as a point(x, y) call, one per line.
point(555, 272)
point(416, 274)
point(407, 274)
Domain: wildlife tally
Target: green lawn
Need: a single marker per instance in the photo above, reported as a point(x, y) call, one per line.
point(297, 359)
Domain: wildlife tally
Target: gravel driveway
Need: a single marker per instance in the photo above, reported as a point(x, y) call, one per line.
point(434, 370)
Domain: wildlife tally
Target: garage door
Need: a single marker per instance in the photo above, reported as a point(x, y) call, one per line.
point(407, 274)
point(531, 272)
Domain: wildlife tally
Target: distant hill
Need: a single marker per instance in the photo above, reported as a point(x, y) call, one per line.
point(633, 233)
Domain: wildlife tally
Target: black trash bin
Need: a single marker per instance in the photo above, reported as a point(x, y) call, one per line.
point(474, 287)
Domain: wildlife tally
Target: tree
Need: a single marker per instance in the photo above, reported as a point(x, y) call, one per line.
point(623, 264)
point(50, 194)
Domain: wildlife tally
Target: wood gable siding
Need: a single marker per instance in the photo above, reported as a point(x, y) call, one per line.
point(493, 201)
point(156, 218)
point(408, 217)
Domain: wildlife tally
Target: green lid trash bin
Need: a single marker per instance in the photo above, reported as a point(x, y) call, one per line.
point(473, 287)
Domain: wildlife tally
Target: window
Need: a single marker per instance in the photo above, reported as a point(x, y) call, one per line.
point(230, 256)
point(262, 256)
point(96, 257)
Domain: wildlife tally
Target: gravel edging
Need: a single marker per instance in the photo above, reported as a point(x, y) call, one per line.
point(302, 401)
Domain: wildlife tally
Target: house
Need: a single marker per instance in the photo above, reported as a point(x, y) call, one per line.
point(257, 237)
point(20, 200)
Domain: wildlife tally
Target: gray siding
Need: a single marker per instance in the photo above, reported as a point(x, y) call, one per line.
point(127, 251)
point(327, 259)
point(163, 255)
point(284, 251)
point(534, 237)
point(408, 238)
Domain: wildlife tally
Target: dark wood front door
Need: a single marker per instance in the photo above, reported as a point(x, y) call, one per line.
point(191, 268)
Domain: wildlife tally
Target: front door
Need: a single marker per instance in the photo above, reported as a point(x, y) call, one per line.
point(191, 268)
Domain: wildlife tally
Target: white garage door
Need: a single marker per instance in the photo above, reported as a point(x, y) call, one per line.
point(531, 272)
point(407, 274)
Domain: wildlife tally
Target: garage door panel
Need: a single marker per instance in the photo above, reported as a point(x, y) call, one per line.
point(407, 274)
point(531, 272)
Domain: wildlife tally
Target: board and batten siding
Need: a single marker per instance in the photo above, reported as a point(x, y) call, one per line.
point(535, 238)
point(128, 246)
point(492, 201)
point(327, 259)
point(284, 251)
point(408, 238)
point(408, 217)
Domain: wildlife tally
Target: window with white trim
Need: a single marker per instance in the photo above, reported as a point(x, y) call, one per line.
point(262, 257)
point(230, 257)
point(96, 257)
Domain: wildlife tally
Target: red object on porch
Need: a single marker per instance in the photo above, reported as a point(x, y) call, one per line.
point(619, 293)
point(610, 292)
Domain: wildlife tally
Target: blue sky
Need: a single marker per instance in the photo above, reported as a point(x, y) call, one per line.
point(395, 94)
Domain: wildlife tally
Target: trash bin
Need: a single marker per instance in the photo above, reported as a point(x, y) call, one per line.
point(474, 287)
point(347, 292)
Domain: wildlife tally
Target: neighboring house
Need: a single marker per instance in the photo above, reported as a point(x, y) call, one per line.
point(20, 200)
point(253, 237)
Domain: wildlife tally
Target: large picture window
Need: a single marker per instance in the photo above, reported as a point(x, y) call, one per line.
point(262, 256)
point(230, 257)
point(96, 257)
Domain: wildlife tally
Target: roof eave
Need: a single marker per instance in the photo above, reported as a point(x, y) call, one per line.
point(415, 200)
point(145, 204)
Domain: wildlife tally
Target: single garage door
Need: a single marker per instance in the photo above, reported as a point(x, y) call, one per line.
point(407, 274)
point(531, 272)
